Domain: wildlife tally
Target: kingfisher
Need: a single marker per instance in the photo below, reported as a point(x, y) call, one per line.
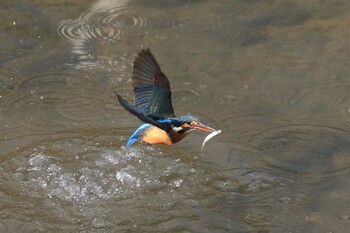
point(153, 105)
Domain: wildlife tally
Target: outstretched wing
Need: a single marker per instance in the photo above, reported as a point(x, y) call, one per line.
point(139, 114)
point(151, 87)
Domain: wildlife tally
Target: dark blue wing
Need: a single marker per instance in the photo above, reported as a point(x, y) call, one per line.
point(151, 87)
point(164, 125)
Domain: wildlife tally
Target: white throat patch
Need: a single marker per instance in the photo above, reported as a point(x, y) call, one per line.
point(177, 129)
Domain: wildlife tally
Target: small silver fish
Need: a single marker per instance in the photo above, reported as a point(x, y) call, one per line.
point(210, 136)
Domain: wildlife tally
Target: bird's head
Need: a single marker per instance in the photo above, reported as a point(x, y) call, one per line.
point(188, 123)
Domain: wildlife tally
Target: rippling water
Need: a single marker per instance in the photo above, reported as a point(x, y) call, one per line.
point(273, 75)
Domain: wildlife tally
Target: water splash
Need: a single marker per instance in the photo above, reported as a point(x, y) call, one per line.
point(44, 173)
point(59, 170)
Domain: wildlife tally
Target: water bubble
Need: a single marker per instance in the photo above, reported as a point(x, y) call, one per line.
point(177, 183)
point(228, 98)
point(8, 86)
point(344, 217)
point(98, 222)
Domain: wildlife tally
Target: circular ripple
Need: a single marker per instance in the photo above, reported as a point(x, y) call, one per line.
point(246, 125)
point(83, 109)
point(319, 96)
point(101, 25)
point(185, 95)
point(54, 101)
point(42, 98)
point(228, 98)
point(34, 106)
point(194, 24)
point(45, 83)
point(345, 107)
point(309, 149)
point(36, 111)
point(8, 86)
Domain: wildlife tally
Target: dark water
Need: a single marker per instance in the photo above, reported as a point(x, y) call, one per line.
point(273, 75)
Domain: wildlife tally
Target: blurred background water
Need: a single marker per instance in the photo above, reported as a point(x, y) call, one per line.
point(273, 75)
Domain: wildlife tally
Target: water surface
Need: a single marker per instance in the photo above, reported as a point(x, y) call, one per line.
point(273, 75)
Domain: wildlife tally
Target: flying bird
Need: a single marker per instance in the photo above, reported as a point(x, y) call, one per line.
point(153, 106)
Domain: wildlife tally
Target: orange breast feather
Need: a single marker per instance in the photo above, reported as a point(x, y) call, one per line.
point(155, 135)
